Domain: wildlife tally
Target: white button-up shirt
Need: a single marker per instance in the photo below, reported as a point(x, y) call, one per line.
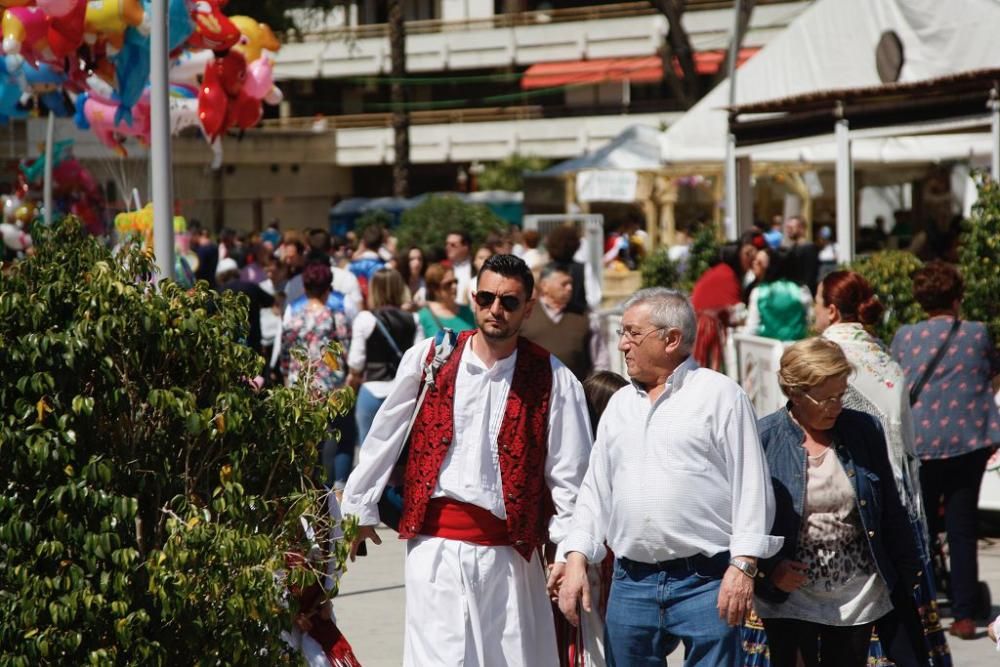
point(680, 476)
point(471, 470)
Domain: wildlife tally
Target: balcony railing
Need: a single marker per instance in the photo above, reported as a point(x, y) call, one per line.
point(538, 17)
point(320, 123)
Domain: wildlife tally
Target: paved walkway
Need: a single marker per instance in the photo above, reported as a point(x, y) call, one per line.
point(370, 607)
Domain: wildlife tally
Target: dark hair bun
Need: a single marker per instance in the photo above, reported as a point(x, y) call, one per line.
point(870, 310)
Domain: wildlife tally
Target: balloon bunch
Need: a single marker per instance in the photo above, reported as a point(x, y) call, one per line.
point(74, 189)
point(97, 52)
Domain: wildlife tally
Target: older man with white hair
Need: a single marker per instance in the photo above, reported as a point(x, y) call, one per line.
point(679, 489)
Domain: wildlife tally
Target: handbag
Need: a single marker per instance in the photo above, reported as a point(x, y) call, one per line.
point(390, 504)
point(932, 366)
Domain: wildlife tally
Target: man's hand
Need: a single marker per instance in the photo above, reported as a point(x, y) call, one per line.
point(574, 588)
point(735, 596)
point(556, 572)
point(991, 631)
point(364, 533)
point(789, 575)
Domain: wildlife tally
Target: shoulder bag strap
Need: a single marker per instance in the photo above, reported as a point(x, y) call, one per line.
point(388, 337)
point(932, 366)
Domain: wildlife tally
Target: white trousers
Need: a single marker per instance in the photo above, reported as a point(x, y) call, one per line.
point(474, 606)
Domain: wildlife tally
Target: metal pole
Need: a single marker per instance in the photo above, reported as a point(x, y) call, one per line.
point(845, 193)
point(50, 133)
point(995, 135)
point(732, 215)
point(161, 167)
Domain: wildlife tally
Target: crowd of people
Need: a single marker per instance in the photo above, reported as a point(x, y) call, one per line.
point(308, 289)
point(560, 514)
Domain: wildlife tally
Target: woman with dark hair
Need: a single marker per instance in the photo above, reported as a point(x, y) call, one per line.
point(588, 650)
point(412, 266)
point(846, 306)
point(313, 327)
point(778, 307)
point(717, 297)
point(379, 338)
point(442, 310)
point(950, 364)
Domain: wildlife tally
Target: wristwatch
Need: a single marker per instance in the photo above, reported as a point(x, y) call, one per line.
point(746, 567)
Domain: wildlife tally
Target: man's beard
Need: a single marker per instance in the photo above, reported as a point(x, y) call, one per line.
point(498, 332)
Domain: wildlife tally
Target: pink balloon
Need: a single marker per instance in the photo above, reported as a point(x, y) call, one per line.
point(100, 116)
point(260, 78)
point(58, 8)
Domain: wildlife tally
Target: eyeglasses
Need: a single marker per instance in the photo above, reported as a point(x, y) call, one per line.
point(633, 337)
point(508, 302)
point(829, 402)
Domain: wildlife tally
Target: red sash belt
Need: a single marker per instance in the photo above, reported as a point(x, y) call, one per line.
point(455, 520)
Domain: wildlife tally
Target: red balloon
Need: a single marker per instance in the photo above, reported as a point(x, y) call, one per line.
point(65, 33)
point(212, 29)
point(212, 103)
point(232, 70)
point(244, 112)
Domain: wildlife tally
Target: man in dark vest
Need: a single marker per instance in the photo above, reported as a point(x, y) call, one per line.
point(570, 336)
point(495, 457)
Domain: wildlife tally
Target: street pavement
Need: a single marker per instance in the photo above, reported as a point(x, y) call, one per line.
point(370, 606)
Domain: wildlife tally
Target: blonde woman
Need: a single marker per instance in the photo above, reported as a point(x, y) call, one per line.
point(849, 560)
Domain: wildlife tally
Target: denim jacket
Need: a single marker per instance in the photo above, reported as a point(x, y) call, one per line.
point(860, 446)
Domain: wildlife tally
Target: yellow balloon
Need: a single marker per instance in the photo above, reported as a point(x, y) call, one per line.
point(256, 37)
point(111, 17)
point(25, 213)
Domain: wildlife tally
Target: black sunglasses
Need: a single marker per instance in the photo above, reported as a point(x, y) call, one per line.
point(508, 302)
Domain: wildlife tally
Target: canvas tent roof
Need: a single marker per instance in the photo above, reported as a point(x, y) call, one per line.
point(636, 148)
point(832, 45)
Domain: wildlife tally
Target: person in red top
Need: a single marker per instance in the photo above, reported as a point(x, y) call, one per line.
point(716, 292)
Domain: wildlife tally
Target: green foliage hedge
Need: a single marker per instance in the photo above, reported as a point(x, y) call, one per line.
point(889, 272)
point(659, 271)
point(150, 491)
point(980, 258)
point(428, 224)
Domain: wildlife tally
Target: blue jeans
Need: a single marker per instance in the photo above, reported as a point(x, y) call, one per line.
point(338, 455)
point(652, 609)
point(364, 411)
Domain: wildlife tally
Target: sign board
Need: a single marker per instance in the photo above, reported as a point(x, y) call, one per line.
point(757, 362)
point(607, 185)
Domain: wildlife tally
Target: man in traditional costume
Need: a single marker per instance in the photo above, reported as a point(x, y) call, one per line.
point(498, 447)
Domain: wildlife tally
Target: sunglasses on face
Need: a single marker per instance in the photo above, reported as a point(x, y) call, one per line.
point(508, 302)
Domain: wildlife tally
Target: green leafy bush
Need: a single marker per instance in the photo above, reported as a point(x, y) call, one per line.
point(427, 224)
point(705, 248)
point(376, 217)
point(150, 492)
point(508, 174)
point(658, 270)
point(979, 258)
point(888, 272)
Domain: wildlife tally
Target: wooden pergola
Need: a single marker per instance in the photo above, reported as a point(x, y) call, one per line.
point(964, 102)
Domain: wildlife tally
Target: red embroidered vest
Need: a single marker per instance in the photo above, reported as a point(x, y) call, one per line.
point(522, 445)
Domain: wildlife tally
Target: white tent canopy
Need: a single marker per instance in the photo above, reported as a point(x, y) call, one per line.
point(832, 45)
point(636, 148)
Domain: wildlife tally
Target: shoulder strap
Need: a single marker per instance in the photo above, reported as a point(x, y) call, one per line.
point(388, 337)
point(932, 366)
point(444, 344)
